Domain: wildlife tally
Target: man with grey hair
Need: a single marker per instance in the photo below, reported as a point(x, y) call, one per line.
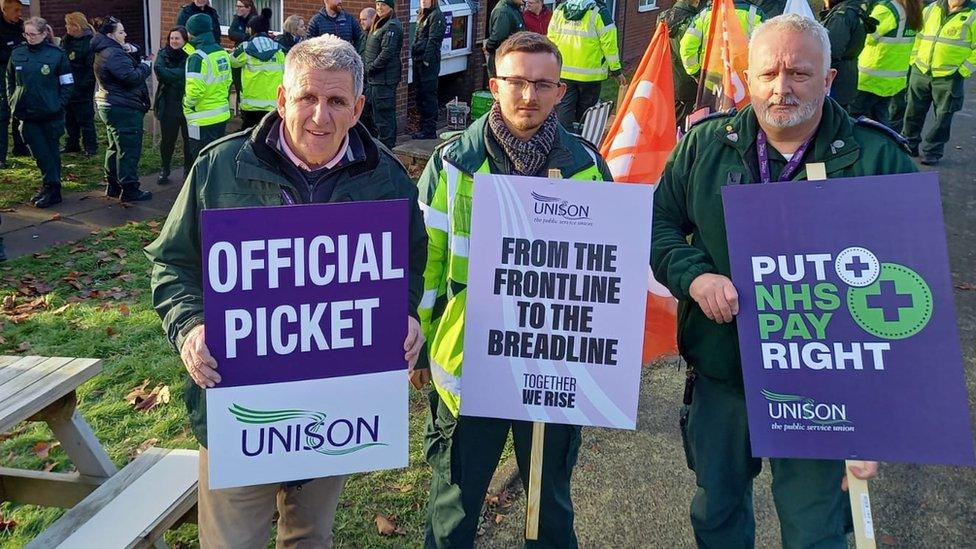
point(791, 122)
point(310, 150)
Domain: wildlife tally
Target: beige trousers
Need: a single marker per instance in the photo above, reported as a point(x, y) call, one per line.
point(240, 518)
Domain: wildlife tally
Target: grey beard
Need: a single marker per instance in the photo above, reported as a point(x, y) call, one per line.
point(804, 113)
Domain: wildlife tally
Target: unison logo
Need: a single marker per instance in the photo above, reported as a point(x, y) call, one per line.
point(282, 431)
point(795, 407)
point(551, 205)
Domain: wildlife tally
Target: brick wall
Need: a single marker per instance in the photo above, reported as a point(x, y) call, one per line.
point(635, 29)
point(130, 12)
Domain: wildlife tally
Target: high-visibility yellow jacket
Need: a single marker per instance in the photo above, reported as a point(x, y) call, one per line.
point(692, 44)
point(882, 66)
point(262, 64)
point(207, 83)
point(446, 192)
point(586, 37)
point(947, 42)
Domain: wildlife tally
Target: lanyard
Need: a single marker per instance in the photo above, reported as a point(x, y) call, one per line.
point(762, 149)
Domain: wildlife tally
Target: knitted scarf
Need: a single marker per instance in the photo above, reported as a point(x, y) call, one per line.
point(527, 157)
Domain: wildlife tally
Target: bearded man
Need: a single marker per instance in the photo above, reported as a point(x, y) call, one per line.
point(791, 122)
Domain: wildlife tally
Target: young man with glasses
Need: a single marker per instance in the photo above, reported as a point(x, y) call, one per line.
point(519, 136)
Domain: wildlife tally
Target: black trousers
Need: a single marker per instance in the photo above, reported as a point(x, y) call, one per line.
point(79, 122)
point(946, 94)
point(208, 134)
point(171, 129)
point(8, 125)
point(579, 97)
point(124, 128)
point(426, 85)
point(43, 138)
point(380, 113)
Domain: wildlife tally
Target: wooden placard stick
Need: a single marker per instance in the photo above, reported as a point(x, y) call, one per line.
point(856, 488)
point(533, 492)
point(534, 489)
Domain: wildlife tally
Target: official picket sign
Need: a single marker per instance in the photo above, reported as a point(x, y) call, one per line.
point(556, 291)
point(847, 328)
point(305, 310)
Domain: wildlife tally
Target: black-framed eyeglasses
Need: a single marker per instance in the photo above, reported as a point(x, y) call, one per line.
point(541, 86)
point(32, 34)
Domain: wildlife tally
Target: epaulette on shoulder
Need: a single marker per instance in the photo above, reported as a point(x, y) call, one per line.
point(898, 138)
point(440, 147)
point(714, 116)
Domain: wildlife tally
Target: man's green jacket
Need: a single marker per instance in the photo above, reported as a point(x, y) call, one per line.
point(243, 170)
point(722, 151)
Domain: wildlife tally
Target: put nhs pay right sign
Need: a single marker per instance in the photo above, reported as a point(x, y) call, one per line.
point(847, 329)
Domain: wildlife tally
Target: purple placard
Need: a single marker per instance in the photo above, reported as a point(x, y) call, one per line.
point(367, 298)
point(874, 259)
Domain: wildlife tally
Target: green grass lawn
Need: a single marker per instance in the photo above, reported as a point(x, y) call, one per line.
point(104, 282)
point(78, 172)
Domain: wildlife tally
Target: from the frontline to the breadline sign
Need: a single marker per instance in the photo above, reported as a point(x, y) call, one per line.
point(847, 329)
point(306, 312)
point(557, 280)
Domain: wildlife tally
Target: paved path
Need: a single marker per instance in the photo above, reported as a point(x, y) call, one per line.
point(632, 489)
point(27, 230)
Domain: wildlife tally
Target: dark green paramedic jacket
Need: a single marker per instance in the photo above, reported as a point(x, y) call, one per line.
point(722, 151)
point(238, 171)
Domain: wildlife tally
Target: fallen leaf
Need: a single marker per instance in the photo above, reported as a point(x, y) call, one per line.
point(967, 286)
point(137, 393)
point(145, 446)
point(23, 347)
point(128, 277)
point(124, 310)
point(41, 449)
point(56, 217)
point(153, 224)
point(403, 488)
point(42, 256)
point(164, 394)
point(887, 539)
point(61, 309)
point(499, 518)
point(110, 331)
point(143, 401)
point(7, 525)
point(9, 302)
point(77, 248)
point(48, 467)
point(119, 252)
point(12, 434)
point(386, 527)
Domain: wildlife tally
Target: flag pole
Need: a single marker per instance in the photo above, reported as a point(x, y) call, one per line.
point(708, 52)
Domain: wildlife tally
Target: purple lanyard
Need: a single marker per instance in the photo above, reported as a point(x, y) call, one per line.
point(286, 197)
point(762, 149)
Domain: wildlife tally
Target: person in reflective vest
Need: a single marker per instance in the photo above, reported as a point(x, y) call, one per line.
point(262, 64)
point(944, 56)
point(882, 67)
point(206, 102)
point(692, 44)
point(586, 36)
point(506, 140)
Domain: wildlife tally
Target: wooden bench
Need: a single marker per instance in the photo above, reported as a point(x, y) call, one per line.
point(133, 508)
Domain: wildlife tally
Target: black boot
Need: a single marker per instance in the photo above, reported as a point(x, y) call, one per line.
point(163, 177)
point(113, 189)
point(37, 196)
point(132, 193)
point(50, 196)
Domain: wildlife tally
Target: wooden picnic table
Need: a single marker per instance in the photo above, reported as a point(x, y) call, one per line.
point(38, 388)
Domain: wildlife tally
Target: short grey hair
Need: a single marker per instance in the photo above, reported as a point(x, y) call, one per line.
point(799, 24)
point(327, 52)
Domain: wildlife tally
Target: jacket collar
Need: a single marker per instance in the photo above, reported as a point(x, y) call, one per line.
point(469, 151)
point(833, 144)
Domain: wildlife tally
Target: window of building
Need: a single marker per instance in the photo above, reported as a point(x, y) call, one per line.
point(227, 9)
point(646, 5)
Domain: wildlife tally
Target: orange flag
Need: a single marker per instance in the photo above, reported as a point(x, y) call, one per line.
point(636, 149)
point(723, 80)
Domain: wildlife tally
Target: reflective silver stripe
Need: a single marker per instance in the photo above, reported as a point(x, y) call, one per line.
point(445, 380)
point(578, 70)
point(430, 297)
point(752, 17)
point(690, 61)
point(259, 102)
point(966, 25)
point(606, 28)
point(694, 32)
point(460, 246)
point(902, 18)
point(893, 40)
point(580, 33)
point(66, 79)
point(880, 73)
point(433, 218)
point(969, 66)
point(196, 76)
point(268, 67)
point(950, 41)
point(209, 113)
point(451, 175)
point(613, 58)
